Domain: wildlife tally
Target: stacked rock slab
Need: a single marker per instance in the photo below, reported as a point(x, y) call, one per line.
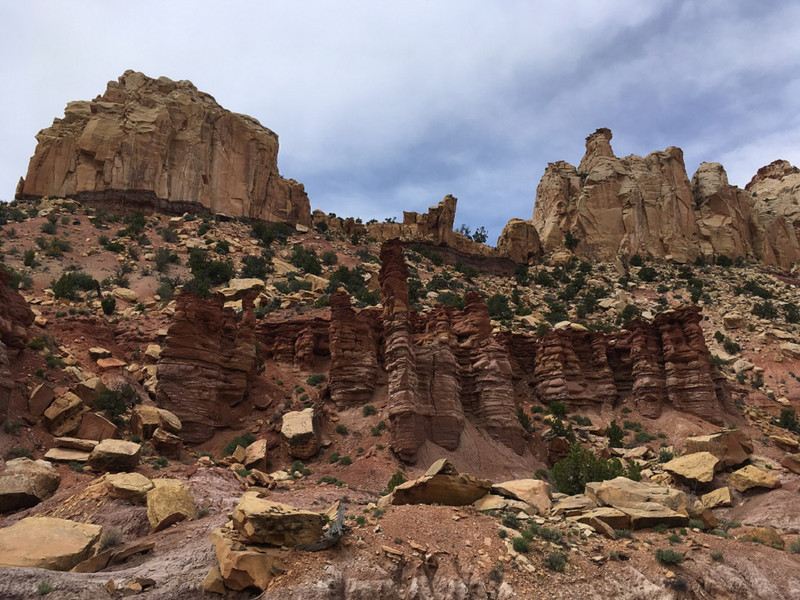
point(157, 143)
point(206, 365)
point(47, 543)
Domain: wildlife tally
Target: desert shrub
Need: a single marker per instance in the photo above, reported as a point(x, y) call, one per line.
point(164, 258)
point(351, 279)
point(451, 299)
point(794, 547)
point(716, 556)
point(255, 266)
point(665, 455)
point(44, 587)
point(499, 308)
point(108, 304)
point(70, 282)
point(29, 258)
point(49, 227)
point(581, 466)
point(629, 313)
point(305, 260)
point(345, 461)
point(215, 272)
point(222, 247)
point(524, 419)
point(18, 452)
point(765, 310)
point(111, 537)
point(623, 533)
point(240, 440)
point(521, 545)
point(669, 557)
point(342, 430)
point(636, 261)
point(695, 524)
point(788, 420)
point(112, 402)
point(791, 312)
point(168, 235)
point(316, 379)
point(730, 346)
point(570, 241)
point(556, 561)
point(368, 410)
point(754, 289)
point(647, 274)
point(396, 480)
point(642, 437)
point(557, 409)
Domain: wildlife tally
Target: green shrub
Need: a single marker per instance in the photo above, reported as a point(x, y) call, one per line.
point(396, 480)
point(164, 258)
point(570, 241)
point(674, 538)
point(305, 260)
point(665, 455)
point(368, 410)
point(18, 452)
point(695, 524)
point(112, 402)
point(345, 461)
point(70, 282)
point(581, 466)
point(215, 272)
point(716, 556)
point(765, 310)
point(108, 304)
point(557, 409)
point(794, 547)
point(556, 561)
point(669, 557)
point(647, 274)
point(29, 258)
point(243, 440)
point(334, 457)
point(623, 533)
point(788, 420)
point(44, 587)
point(521, 545)
point(615, 433)
point(329, 258)
point(255, 267)
point(341, 429)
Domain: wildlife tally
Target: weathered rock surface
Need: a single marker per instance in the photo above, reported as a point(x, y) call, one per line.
point(169, 502)
point(40, 399)
point(264, 522)
point(26, 482)
point(163, 144)
point(647, 205)
point(519, 241)
point(243, 566)
point(301, 433)
point(115, 455)
point(47, 543)
point(731, 447)
point(206, 365)
point(791, 462)
point(699, 466)
point(129, 486)
point(441, 484)
point(533, 492)
point(752, 477)
point(96, 427)
point(64, 414)
point(719, 497)
point(15, 318)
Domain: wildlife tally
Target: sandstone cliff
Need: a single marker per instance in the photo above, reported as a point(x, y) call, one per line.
point(163, 144)
point(623, 206)
point(206, 365)
point(15, 318)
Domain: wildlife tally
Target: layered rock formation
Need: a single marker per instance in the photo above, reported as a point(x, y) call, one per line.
point(519, 241)
point(623, 206)
point(206, 365)
point(163, 144)
point(15, 318)
point(442, 370)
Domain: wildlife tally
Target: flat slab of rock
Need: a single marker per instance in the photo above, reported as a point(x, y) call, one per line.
point(265, 522)
point(89, 390)
point(698, 466)
point(67, 455)
point(64, 414)
point(650, 514)
point(300, 432)
point(495, 502)
point(255, 455)
point(47, 543)
point(603, 518)
point(170, 501)
point(622, 492)
point(76, 443)
point(791, 462)
point(106, 364)
point(731, 447)
point(572, 505)
point(750, 477)
point(25, 483)
point(115, 455)
point(441, 484)
point(96, 427)
point(719, 497)
point(40, 399)
point(243, 566)
point(129, 486)
point(534, 492)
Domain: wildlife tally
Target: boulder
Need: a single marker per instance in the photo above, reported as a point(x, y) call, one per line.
point(128, 486)
point(106, 364)
point(169, 502)
point(719, 497)
point(441, 484)
point(733, 320)
point(698, 466)
point(213, 582)
point(26, 482)
point(621, 493)
point(533, 492)
point(47, 543)
point(76, 443)
point(265, 522)
point(96, 427)
point(649, 514)
point(255, 456)
point(64, 415)
point(244, 566)
point(572, 505)
point(731, 447)
point(167, 444)
point(767, 535)
point(300, 432)
point(752, 477)
point(791, 462)
point(125, 294)
point(153, 352)
point(603, 518)
point(115, 455)
point(67, 455)
point(97, 352)
point(790, 349)
point(169, 421)
point(495, 502)
point(40, 398)
point(145, 420)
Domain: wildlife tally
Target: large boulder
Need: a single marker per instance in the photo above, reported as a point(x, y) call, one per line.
point(129, 486)
point(622, 492)
point(162, 144)
point(300, 432)
point(115, 455)
point(718, 497)
point(533, 492)
point(255, 455)
point(750, 477)
point(64, 414)
point(731, 447)
point(170, 501)
point(26, 482)
point(47, 543)
point(244, 566)
point(699, 466)
point(441, 484)
point(96, 427)
point(40, 399)
point(265, 522)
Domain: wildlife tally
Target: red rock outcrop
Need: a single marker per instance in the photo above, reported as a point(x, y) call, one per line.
point(206, 365)
point(623, 206)
point(354, 345)
point(519, 241)
point(157, 143)
point(648, 365)
point(298, 341)
point(442, 369)
point(15, 318)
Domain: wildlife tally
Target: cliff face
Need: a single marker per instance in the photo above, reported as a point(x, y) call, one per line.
point(633, 205)
point(207, 365)
point(163, 144)
point(15, 318)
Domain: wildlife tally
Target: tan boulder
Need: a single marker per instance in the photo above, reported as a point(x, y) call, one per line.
point(752, 477)
point(115, 455)
point(622, 493)
point(64, 415)
point(40, 398)
point(67, 455)
point(97, 352)
point(47, 543)
point(700, 512)
point(441, 484)
point(89, 390)
point(785, 443)
point(145, 420)
point(790, 349)
point(767, 535)
point(213, 582)
point(718, 497)
point(300, 432)
point(650, 514)
point(26, 482)
point(153, 352)
point(76, 443)
point(167, 444)
point(495, 502)
point(96, 427)
point(169, 502)
point(265, 522)
point(603, 518)
point(731, 447)
point(255, 456)
point(572, 505)
point(128, 486)
point(533, 492)
point(244, 566)
point(519, 241)
point(791, 462)
point(125, 294)
point(733, 320)
point(698, 466)
point(106, 364)
point(169, 421)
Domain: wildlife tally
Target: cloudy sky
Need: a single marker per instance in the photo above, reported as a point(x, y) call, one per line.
point(388, 106)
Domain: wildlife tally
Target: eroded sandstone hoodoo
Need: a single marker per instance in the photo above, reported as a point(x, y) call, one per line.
point(206, 365)
point(158, 143)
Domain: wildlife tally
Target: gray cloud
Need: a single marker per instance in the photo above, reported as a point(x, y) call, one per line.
point(385, 107)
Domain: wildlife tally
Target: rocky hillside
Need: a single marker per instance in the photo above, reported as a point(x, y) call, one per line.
point(156, 143)
point(610, 206)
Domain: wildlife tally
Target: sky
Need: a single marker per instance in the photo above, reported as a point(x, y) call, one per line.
point(388, 106)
